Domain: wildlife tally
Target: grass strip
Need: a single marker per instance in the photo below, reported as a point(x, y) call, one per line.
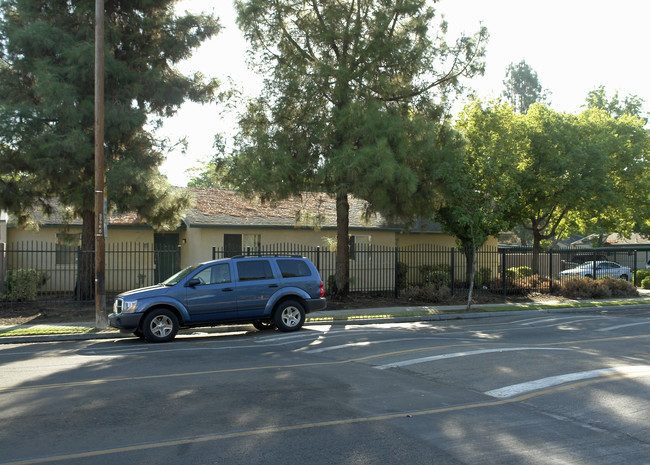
point(481, 309)
point(45, 331)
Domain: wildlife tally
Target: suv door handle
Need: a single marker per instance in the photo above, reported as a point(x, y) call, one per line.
point(273, 285)
point(227, 289)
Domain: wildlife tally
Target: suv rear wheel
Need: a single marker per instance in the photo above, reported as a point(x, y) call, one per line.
point(160, 325)
point(289, 316)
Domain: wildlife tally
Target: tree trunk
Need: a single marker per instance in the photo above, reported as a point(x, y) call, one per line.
point(85, 288)
point(537, 248)
point(342, 246)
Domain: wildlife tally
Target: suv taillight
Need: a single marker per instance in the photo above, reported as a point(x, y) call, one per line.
point(322, 290)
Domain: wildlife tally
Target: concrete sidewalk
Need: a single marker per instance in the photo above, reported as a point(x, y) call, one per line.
point(86, 331)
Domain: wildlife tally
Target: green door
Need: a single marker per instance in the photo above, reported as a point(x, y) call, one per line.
point(167, 255)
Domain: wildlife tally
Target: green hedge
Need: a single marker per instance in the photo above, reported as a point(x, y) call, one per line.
point(519, 272)
point(640, 276)
point(22, 284)
point(437, 275)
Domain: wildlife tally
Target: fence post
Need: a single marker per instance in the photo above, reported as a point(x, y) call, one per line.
point(3, 265)
point(78, 290)
point(318, 258)
point(453, 271)
point(396, 272)
point(503, 271)
point(214, 253)
point(550, 270)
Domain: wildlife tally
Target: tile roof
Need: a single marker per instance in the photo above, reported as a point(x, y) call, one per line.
point(57, 217)
point(220, 207)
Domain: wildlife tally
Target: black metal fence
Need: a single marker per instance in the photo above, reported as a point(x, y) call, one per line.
point(45, 272)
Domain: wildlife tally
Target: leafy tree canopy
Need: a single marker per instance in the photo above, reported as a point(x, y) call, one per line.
point(479, 190)
point(571, 172)
point(631, 105)
point(479, 187)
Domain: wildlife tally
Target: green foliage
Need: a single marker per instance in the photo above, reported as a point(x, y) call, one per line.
point(566, 173)
point(585, 288)
point(523, 87)
point(645, 283)
point(519, 272)
point(429, 293)
point(478, 190)
point(483, 277)
point(22, 284)
point(47, 104)
point(47, 108)
point(436, 275)
point(352, 104)
point(640, 276)
point(402, 275)
point(632, 105)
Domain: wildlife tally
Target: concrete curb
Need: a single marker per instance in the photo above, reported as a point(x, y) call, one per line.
point(332, 317)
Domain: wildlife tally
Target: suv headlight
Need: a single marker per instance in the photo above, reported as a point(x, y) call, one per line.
point(129, 306)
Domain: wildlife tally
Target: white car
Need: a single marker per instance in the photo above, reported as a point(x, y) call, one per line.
point(602, 269)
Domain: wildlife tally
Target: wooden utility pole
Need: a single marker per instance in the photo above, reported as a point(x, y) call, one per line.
point(101, 222)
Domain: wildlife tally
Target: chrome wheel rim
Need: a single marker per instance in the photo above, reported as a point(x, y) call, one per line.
point(161, 326)
point(291, 316)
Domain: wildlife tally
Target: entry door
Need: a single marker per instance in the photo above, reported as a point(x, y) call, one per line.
point(232, 245)
point(167, 255)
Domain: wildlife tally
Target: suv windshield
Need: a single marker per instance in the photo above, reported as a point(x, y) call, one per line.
point(175, 279)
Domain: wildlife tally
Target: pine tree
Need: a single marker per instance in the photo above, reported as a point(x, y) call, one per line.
point(47, 106)
point(354, 95)
point(523, 87)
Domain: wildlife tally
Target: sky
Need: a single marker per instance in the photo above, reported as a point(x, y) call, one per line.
point(575, 46)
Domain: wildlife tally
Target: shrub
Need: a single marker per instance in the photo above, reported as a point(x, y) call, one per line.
point(331, 284)
point(438, 275)
point(535, 282)
point(640, 276)
point(429, 293)
point(482, 277)
point(587, 288)
point(519, 272)
point(645, 284)
point(22, 284)
point(402, 275)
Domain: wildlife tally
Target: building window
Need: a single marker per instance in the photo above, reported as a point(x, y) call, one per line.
point(241, 244)
point(67, 248)
point(252, 243)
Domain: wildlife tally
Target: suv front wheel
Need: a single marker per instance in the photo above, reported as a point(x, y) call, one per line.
point(289, 316)
point(160, 325)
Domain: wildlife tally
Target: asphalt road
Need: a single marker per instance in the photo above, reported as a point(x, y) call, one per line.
point(558, 388)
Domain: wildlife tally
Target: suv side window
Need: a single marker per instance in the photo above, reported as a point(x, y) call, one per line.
point(254, 270)
point(216, 274)
point(293, 268)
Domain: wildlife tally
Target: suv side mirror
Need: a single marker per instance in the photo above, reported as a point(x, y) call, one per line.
point(193, 282)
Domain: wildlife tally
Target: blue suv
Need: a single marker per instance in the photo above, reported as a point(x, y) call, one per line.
point(265, 291)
